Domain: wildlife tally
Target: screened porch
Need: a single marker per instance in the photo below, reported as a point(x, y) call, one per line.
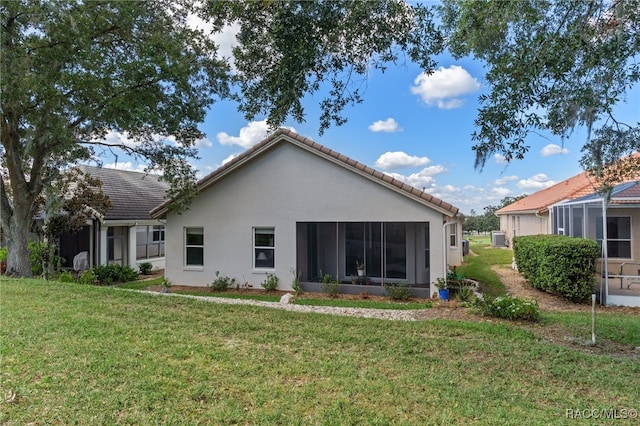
point(391, 252)
point(618, 269)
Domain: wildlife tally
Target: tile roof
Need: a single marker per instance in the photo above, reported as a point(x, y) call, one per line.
point(539, 202)
point(623, 193)
point(285, 135)
point(569, 189)
point(132, 194)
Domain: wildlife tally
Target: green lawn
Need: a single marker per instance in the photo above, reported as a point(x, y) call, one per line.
point(73, 354)
point(479, 267)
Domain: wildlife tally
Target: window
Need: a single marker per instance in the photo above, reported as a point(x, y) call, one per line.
point(618, 236)
point(264, 243)
point(194, 246)
point(149, 241)
point(453, 240)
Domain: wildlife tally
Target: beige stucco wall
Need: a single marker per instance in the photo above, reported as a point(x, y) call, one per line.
point(524, 224)
point(284, 186)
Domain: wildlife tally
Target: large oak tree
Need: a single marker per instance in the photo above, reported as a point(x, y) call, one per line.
point(553, 66)
point(73, 72)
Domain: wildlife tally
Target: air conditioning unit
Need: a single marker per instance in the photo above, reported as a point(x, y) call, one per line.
point(498, 239)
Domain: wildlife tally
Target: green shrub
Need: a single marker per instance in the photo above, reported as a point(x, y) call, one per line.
point(465, 293)
point(270, 283)
point(3, 254)
point(109, 274)
point(222, 282)
point(66, 277)
point(329, 286)
point(558, 264)
point(509, 307)
point(88, 277)
point(43, 258)
point(145, 268)
point(398, 291)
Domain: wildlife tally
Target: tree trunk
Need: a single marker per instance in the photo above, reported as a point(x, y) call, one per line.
point(18, 260)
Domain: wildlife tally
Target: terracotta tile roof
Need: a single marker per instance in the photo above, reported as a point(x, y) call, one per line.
point(539, 202)
point(570, 189)
point(132, 194)
point(623, 193)
point(285, 135)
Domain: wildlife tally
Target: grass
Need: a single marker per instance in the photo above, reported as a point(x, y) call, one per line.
point(76, 354)
point(617, 327)
point(479, 267)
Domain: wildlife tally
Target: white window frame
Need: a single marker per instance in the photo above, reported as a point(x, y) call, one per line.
point(187, 246)
point(257, 250)
point(453, 235)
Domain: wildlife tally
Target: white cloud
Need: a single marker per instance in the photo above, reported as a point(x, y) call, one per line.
point(116, 138)
point(553, 149)
point(399, 160)
point(450, 188)
point(389, 125)
point(416, 180)
point(249, 135)
point(505, 179)
point(203, 143)
point(444, 86)
point(538, 181)
point(421, 180)
point(502, 192)
point(500, 159)
point(128, 166)
point(229, 158)
point(225, 39)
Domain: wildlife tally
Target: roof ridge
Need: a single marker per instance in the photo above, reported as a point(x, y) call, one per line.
point(348, 162)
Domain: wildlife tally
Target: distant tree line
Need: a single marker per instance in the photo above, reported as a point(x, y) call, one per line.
point(488, 221)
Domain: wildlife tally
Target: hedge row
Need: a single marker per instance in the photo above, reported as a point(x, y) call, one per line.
point(558, 264)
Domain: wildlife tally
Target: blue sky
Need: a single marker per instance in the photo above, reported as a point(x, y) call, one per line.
point(418, 129)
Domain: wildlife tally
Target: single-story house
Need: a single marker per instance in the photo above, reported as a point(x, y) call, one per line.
point(530, 215)
point(619, 268)
point(126, 234)
point(289, 205)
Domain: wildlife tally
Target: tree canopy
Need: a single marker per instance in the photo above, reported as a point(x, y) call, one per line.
point(552, 66)
point(288, 49)
point(73, 73)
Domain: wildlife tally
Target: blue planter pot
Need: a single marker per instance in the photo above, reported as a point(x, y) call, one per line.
point(443, 294)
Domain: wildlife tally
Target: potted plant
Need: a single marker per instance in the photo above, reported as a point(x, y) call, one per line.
point(360, 268)
point(354, 279)
point(443, 289)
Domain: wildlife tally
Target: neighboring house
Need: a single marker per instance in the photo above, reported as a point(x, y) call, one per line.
point(584, 217)
point(289, 205)
point(530, 215)
point(126, 234)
